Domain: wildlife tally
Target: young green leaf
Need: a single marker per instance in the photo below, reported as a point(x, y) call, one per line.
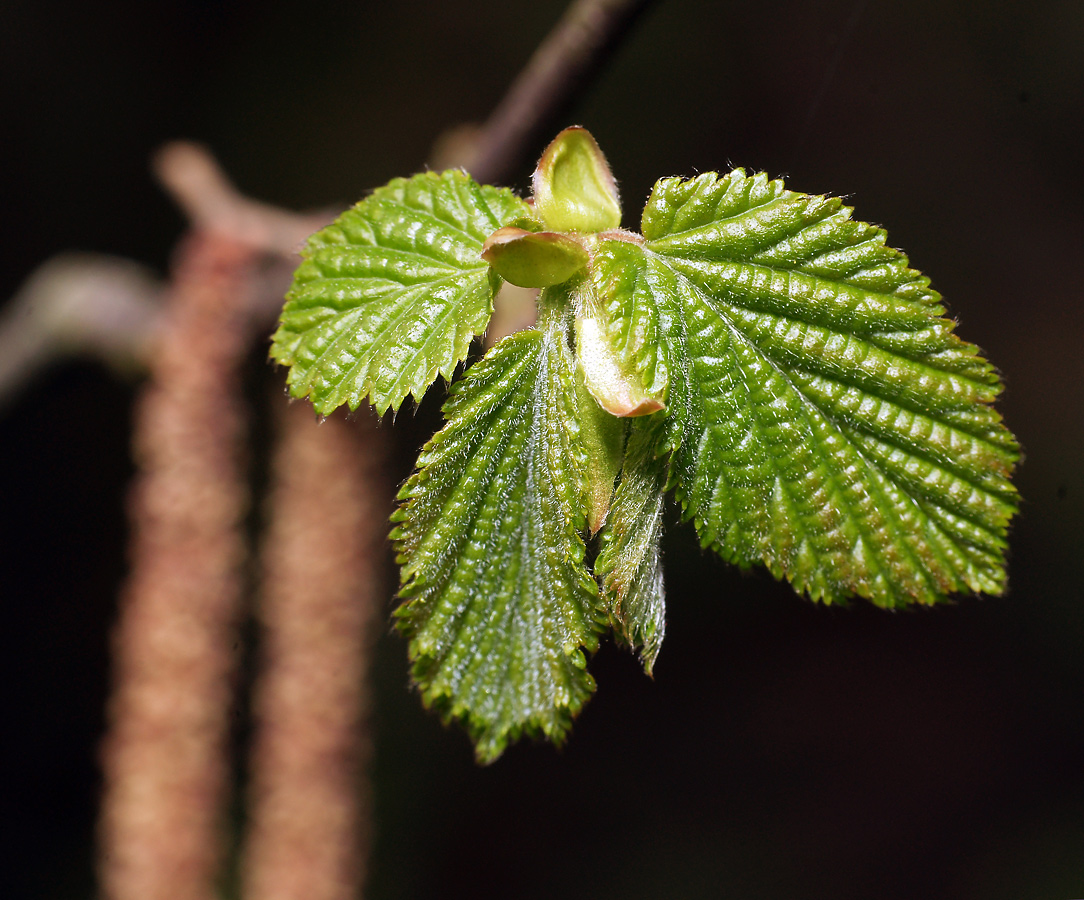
point(500, 605)
point(630, 562)
point(823, 417)
point(390, 295)
point(598, 445)
point(617, 388)
point(534, 258)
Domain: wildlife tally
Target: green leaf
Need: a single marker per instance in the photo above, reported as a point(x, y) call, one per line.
point(500, 605)
point(598, 444)
point(391, 294)
point(822, 415)
point(630, 562)
point(612, 378)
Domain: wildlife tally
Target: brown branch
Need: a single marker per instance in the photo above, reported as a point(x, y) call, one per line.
point(193, 177)
point(199, 186)
point(77, 303)
point(111, 308)
point(163, 758)
point(578, 46)
point(322, 590)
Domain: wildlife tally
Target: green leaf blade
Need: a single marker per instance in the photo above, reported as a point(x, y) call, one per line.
point(636, 301)
point(500, 606)
point(391, 294)
point(629, 564)
point(598, 445)
point(824, 421)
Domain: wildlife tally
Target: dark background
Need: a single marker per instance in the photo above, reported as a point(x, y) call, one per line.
point(783, 749)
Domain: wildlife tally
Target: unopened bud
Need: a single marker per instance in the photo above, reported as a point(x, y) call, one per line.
point(574, 189)
point(533, 259)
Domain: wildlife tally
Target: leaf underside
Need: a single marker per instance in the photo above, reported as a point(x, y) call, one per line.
point(391, 294)
point(822, 417)
point(500, 604)
point(629, 565)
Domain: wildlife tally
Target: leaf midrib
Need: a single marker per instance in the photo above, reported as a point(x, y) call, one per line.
point(689, 266)
point(982, 389)
point(505, 421)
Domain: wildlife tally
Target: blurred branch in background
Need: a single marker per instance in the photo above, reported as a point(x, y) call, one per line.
point(78, 304)
point(528, 115)
point(202, 190)
point(97, 305)
point(107, 307)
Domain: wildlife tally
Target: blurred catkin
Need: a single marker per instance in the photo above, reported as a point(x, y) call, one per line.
point(164, 756)
point(322, 582)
